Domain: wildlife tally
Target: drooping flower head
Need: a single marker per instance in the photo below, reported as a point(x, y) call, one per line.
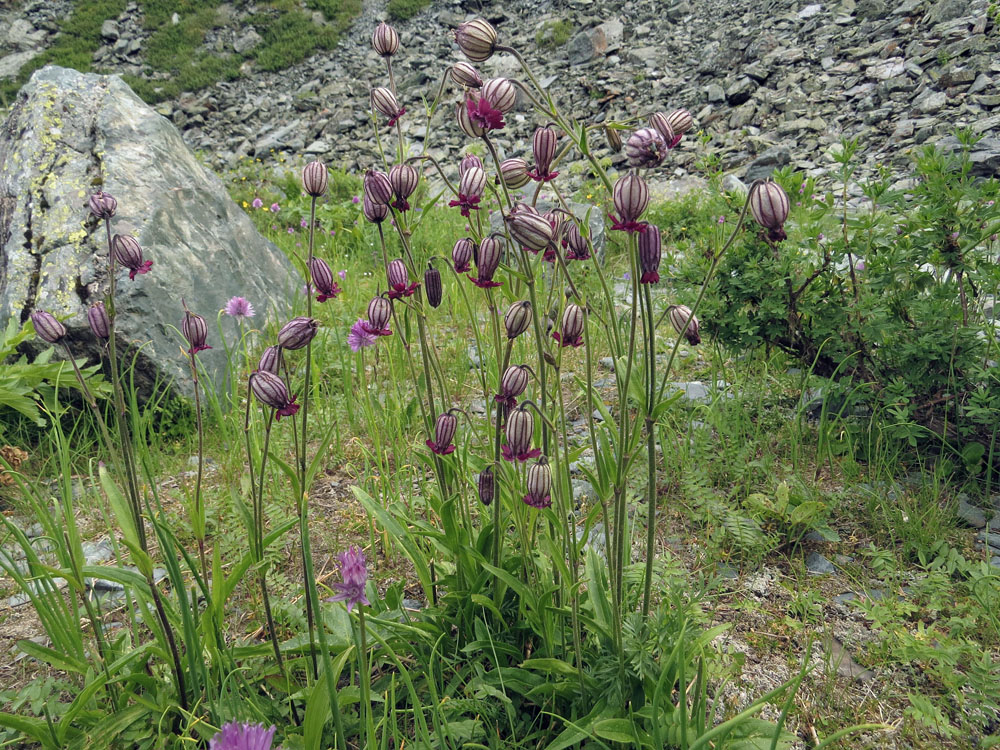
point(378, 187)
point(128, 252)
point(99, 321)
point(769, 206)
point(270, 360)
point(631, 197)
point(354, 576)
point(461, 254)
point(359, 337)
point(195, 331)
point(520, 430)
point(239, 308)
point(486, 485)
point(501, 94)
point(577, 246)
point(514, 173)
point(433, 286)
point(487, 262)
point(680, 122)
point(481, 114)
point(660, 122)
point(271, 391)
point(528, 228)
point(539, 485)
point(512, 385)
point(322, 278)
point(237, 736)
point(543, 146)
point(684, 322)
point(649, 254)
point(614, 139)
point(385, 102)
point(103, 205)
point(379, 313)
point(572, 327)
point(374, 212)
point(49, 330)
point(465, 122)
point(465, 75)
point(385, 40)
point(645, 148)
point(517, 319)
point(470, 190)
point(399, 280)
point(469, 161)
point(444, 433)
point(404, 179)
point(477, 39)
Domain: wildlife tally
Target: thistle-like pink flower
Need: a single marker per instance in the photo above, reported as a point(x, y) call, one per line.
point(360, 337)
point(354, 576)
point(239, 308)
point(236, 736)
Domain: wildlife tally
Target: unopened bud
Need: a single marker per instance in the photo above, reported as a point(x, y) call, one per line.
point(379, 313)
point(520, 430)
point(517, 319)
point(500, 93)
point(271, 391)
point(433, 287)
point(385, 102)
point(315, 178)
point(514, 173)
point(477, 39)
point(572, 326)
point(378, 187)
point(684, 322)
point(322, 278)
point(680, 122)
point(374, 212)
point(487, 486)
point(103, 205)
point(513, 383)
point(47, 327)
point(404, 179)
point(385, 40)
point(660, 122)
point(468, 162)
point(297, 332)
point(465, 75)
point(613, 138)
point(99, 321)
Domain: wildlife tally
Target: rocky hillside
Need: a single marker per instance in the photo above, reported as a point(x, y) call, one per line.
point(773, 83)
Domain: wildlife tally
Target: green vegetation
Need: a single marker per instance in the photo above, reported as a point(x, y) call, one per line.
point(553, 34)
point(403, 10)
point(177, 50)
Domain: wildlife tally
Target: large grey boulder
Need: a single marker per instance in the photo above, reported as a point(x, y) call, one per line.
point(68, 135)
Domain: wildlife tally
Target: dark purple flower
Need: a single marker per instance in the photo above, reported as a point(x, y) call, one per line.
point(444, 432)
point(520, 430)
point(433, 287)
point(100, 324)
point(544, 148)
point(47, 327)
point(129, 253)
point(539, 485)
point(236, 736)
point(461, 254)
point(487, 261)
point(572, 327)
point(487, 486)
point(195, 331)
point(482, 114)
point(322, 278)
point(379, 312)
point(271, 391)
point(399, 280)
point(354, 576)
point(649, 254)
point(103, 205)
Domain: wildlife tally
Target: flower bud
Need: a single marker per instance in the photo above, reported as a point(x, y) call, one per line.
point(488, 257)
point(403, 178)
point(649, 254)
point(99, 321)
point(297, 332)
point(539, 485)
point(517, 319)
point(579, 248)
point(128, 252)
point(195, 330)
point(461, 254)
point(469, 161)
point(572, 327)
point(660, 122)
point(465, 75)
point(47, 327)
point(103, 205)
point(512, 384)
point(477, 39)
point(322, 278)
point(520, 430)
point(514, 173)
point(530, 230)
point(500, 93)
point(378, 187)
point(543, 146)
point(385, 40)
point(379, 312)
point(769, 206)
point(487, 485)
point(680, 122)
point(271, 391)
point(444, 432)
point(631, 197)
point(432, 285)
point(466, 124)
point(270, 360)
point(557, 220)
point(385, 102)
point(315, 178)
point(613, 138)
point(645, 148)
point(685, 323)
point(374, 212)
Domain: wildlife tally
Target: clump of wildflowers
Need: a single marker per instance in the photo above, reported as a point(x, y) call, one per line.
point(237, 736)
point(360, 337)
point(354, 576)
point(239, 308)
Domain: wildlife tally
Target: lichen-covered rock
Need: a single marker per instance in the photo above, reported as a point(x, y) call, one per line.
point(70, 134)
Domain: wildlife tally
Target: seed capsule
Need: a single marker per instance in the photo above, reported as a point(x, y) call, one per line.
point(486, 484)
point(315, 178)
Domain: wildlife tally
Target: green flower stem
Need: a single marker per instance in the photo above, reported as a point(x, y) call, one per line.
point(647, 312)
point(199, 506)
point(496, 460)
point(366, 681)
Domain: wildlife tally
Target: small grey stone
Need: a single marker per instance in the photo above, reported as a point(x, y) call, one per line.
point(992, 539)
point(608, 363)
point(767, 162)
point(970, 514)
point(818, 565)
point(727, 572)
point(247, 42)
